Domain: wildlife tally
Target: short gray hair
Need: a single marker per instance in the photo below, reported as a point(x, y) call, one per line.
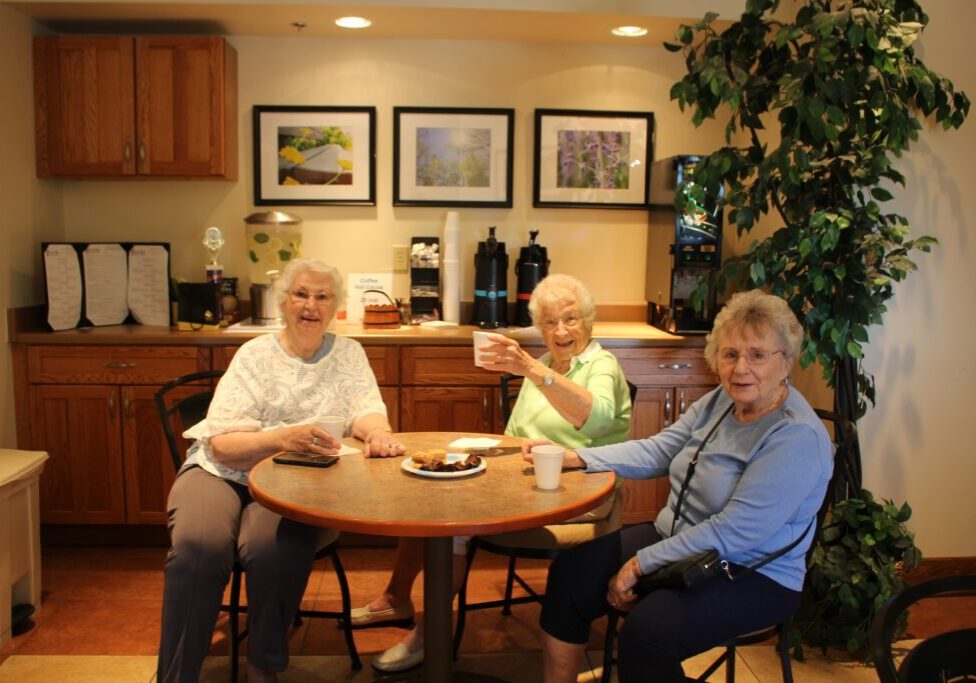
point(305, 265)
point(559, 289)
point(761, 312)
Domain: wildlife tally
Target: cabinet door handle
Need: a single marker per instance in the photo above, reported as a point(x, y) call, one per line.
point(142, 151)
point(127, 151)
point(126, 405)
point(111, 407)
point(667, 409)
point(485, 409)
point(115, 365)
point(681, 402)
point(674, 366)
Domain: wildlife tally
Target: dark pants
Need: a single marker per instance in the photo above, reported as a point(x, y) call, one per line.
point(210, 521)
point(666, 626)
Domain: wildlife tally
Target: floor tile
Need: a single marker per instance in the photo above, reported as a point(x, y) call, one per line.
point(78, 669)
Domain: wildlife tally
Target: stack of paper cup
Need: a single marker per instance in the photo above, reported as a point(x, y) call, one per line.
point(451, 281)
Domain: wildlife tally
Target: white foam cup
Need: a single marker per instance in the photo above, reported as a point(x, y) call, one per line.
point(548, 464)
point(481, 340)
point(335, 425)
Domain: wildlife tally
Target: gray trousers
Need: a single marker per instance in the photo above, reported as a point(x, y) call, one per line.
point(210, 521)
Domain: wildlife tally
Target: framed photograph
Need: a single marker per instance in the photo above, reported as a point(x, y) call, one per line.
point(592, 158)
point(452, 157)
point(315, 155)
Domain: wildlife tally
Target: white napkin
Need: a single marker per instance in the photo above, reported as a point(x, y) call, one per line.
point(471, 442)
point(347, 450)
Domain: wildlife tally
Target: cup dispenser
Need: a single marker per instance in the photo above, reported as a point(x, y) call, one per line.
point(425, 263)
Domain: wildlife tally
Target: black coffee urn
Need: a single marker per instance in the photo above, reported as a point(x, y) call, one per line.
point(490, 283)
point(531, 267)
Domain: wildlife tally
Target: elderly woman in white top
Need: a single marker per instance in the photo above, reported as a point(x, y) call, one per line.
point(268, 400)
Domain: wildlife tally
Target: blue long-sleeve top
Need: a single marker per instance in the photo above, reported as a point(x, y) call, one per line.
point(756, 488)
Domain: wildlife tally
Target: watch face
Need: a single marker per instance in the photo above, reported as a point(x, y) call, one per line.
point(547, 380)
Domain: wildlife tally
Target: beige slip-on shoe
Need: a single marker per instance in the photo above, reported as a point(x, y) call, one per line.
point(398, 658)
point(363, 616)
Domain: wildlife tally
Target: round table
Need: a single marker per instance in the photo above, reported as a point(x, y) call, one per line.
point(376, 496)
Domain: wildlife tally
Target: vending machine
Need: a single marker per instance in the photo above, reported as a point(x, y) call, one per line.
point(683, 248)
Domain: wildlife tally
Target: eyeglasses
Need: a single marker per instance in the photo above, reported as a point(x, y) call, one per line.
point(300, 296)
point(569, 322)
point(753, 356)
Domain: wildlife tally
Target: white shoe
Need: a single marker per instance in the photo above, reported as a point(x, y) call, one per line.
point(398, 658)
point(364, 616)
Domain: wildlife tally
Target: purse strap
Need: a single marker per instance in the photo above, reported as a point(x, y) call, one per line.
point(684, 489)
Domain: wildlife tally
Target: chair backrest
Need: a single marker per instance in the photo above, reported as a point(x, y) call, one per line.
point(944, 657)
point(188, 410)
point(510, 391)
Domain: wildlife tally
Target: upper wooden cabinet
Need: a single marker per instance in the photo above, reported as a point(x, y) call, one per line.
point(147, 106)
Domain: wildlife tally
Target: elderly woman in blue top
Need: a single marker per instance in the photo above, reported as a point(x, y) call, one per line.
point(759, 482)
point(267, 401)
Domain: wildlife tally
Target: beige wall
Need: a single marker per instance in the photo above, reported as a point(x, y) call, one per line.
point(605, 247)
point(29, 209)
point(915, 443)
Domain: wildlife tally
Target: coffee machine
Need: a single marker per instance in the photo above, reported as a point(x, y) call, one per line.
point(532, 265)
point(683, 248)
point(490, 283)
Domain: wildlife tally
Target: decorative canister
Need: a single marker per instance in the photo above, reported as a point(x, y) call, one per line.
point(381, 316)
point(273, 239)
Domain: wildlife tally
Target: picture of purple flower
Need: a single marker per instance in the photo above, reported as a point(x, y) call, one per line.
point(593, 159)
point(454, 157)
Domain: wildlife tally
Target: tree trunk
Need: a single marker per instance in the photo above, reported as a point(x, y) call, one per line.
point(846, 405)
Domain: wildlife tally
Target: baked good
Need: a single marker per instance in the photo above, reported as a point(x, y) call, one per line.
point(430, 458)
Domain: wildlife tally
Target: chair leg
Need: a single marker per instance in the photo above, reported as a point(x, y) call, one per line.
point(463, 598)
point(608, 658)
point(509, 580)
point(346, 608)
point(234, 612)
point(784, 651)
point(730, 664)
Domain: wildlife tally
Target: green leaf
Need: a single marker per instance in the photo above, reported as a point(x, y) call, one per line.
point(854, 349)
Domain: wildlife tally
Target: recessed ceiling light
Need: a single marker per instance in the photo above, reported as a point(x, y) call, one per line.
point(630, 31)
point(353, 22)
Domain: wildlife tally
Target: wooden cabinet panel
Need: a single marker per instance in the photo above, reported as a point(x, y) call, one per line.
point(391, 397)
point(665, 367)
point(186, 106)
point(113, 364)
point(84, 106)
point(122, 106)
point(443, 365)
point(78, 426)
point(448, 409)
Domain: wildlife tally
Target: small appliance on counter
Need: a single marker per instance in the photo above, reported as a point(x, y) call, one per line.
point(683, 248)
point(264, 312)
point(273, 239)
point(532, 265)
point(490, 283)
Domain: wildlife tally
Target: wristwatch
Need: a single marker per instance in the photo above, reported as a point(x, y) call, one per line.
point(547, 381)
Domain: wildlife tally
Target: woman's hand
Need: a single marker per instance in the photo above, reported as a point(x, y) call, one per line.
point(382, 444)
point(570, 461)
point(527, 447)
point(505, 355)
point(307, 438)
point(620, 593)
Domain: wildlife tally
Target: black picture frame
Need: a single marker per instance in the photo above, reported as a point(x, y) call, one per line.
point(483, 178)
point(568, 173)
point(304, 173)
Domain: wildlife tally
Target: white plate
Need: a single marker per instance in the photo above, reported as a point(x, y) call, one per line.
point(408, 466)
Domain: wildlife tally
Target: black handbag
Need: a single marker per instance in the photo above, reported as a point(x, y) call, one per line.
point(702, 567)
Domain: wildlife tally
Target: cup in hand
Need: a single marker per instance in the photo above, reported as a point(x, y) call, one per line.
point(335, 425)
point(547, 461)
point(482, 340)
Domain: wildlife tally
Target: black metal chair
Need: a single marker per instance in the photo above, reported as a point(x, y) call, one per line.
point(542, 543)
point(842, 485)
point(177, 414)
point(948, 656)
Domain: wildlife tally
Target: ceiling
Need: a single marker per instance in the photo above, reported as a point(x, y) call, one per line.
point(536, 21)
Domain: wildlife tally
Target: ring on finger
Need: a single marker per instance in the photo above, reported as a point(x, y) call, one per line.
point(315, 441)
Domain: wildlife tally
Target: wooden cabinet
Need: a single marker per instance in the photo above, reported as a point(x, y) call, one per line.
point(92, 409)
point(668, 380)
point(443, 390)
point(149, 106)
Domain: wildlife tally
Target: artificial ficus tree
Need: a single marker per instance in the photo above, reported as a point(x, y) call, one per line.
point(818, 109)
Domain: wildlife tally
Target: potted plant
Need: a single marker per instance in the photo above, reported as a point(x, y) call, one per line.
point(818, 108)
point(863, 552)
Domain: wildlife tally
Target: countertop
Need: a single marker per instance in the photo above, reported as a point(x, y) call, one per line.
point(27, 329)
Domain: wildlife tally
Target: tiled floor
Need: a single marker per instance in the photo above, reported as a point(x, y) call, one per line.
point(99, 621)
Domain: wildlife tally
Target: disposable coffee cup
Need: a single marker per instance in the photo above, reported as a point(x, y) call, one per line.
point(548, 465)
point(335, 425)
point(482, 340)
